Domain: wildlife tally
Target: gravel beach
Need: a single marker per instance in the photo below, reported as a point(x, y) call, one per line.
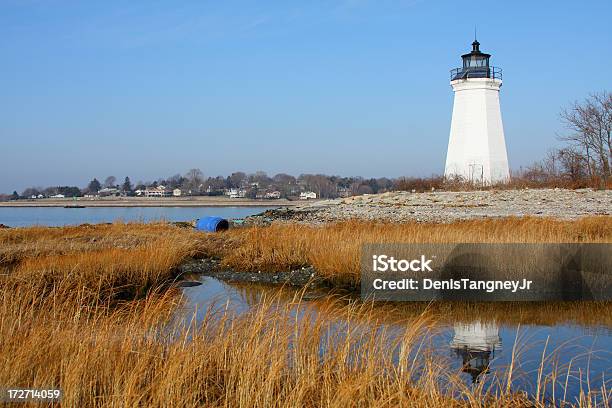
point(447, 207)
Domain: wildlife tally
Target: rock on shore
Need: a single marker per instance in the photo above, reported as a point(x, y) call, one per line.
point(447, 206)
point(301, 277)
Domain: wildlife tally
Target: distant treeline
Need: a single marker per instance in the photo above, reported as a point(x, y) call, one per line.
point(194, 183)
point(585, 160)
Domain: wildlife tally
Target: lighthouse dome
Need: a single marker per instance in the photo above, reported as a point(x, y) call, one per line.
point(476, 65)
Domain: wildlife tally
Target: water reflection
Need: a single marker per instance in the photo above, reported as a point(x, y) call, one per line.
point(475, 344)
point(472, 333)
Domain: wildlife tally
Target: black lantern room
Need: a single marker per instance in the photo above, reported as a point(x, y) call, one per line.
point(475, 60)
point(476, 65)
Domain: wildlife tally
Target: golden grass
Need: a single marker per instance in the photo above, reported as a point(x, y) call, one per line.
point(334, 250)
point(128, 357)
point(88, 310)
point(17, 244)
point(263, 359)
point(104, 263)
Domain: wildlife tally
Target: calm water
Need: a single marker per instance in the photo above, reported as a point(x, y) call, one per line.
point(476, 346)
point(57, 216)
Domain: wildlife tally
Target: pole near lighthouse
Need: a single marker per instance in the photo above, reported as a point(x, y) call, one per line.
point(476, 146)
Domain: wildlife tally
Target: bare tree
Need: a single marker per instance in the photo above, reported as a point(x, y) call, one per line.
point(215, 184)
point(110, 181)
point(283, 179)
point(572, 163)
point(261, 178)
point(603, 101)
point(591, 124)
point(194, 178)
point(320, 184)
point(31, 191)
point(237, 178)
point(175, 181)
point(574, 120)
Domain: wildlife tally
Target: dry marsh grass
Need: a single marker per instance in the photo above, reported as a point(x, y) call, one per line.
point(104, 262)
point(334, 250)
point(266, 358)
point(118, 359)
point(87, 309)
point(17, 244)
point(269, 357)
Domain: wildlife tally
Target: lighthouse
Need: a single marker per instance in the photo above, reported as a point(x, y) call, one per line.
point(476, 146)
point(476, 343)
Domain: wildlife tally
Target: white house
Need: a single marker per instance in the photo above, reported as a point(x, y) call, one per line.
point(108, 191)
point(159, 191)
point(58, 196)
point(237, 193)
point(308, 195)
point(273, 195)
point(177, 192)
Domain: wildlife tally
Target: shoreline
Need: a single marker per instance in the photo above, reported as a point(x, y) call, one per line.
point(305, 277)
point(149, 202)
point(446, 206)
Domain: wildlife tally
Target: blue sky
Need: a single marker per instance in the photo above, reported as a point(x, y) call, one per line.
point(152, 88)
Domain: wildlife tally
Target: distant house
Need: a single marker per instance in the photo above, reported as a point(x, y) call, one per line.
point(108, 191)
point(58, 196)
point(308, 195)
point(159, 191)
point(177, 192)
point(237, 193)
point(273, 195)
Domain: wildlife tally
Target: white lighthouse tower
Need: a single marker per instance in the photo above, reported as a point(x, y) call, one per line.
point(476, 147)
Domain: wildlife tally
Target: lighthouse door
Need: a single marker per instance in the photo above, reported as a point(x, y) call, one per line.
point(476, 173)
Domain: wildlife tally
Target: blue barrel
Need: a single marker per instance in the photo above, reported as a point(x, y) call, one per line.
point(212, 224)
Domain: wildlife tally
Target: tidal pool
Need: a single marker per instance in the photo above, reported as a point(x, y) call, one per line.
point(476, 340)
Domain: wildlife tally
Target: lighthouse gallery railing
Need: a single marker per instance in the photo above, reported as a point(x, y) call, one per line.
point(476, 72)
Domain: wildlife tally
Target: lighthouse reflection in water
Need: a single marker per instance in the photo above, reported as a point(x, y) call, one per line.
point(475, 343)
